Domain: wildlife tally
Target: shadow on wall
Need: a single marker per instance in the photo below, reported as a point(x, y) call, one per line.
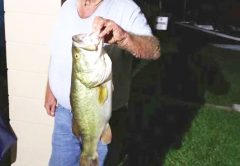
point(165, 97)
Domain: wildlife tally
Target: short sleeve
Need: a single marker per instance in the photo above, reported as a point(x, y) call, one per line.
point(138, 23)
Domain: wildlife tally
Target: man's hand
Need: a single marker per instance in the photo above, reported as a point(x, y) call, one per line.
point(144, 47)
point(109, 30)
point(50, 102)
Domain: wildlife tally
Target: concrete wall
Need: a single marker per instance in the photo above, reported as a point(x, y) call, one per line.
point(28, 25)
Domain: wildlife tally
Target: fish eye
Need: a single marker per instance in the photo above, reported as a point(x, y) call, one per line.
point(77, 56)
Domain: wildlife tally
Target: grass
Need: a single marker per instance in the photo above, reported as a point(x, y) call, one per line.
point(214, 137)
point(213, 140)
point(168, 104)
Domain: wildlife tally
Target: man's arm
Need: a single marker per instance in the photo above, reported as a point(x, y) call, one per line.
point(144, 47)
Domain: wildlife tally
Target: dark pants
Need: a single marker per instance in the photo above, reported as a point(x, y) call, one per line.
point(118, 124)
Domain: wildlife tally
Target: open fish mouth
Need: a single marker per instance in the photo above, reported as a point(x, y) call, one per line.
point(87, 40)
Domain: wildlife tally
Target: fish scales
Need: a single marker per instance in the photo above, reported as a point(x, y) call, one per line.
point(91, 95)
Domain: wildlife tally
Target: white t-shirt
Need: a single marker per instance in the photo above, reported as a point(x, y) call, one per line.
point(123, 12)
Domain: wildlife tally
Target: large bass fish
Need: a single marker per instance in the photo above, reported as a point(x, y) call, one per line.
point(91, 95)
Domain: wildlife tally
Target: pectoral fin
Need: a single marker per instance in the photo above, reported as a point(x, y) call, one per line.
point(106, 136)
point(102, 94)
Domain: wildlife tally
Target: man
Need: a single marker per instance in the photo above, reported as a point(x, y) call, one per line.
point(127, 35)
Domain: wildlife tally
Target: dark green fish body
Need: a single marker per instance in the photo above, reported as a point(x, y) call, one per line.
point(91, 95)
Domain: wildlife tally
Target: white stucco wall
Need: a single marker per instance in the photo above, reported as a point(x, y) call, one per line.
point(28, 25)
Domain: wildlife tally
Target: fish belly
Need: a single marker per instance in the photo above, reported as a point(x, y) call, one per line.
point(89, 116)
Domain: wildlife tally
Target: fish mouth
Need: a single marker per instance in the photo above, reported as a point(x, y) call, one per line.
point(88, 41)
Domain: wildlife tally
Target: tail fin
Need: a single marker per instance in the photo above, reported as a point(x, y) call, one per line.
point(87, 161)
